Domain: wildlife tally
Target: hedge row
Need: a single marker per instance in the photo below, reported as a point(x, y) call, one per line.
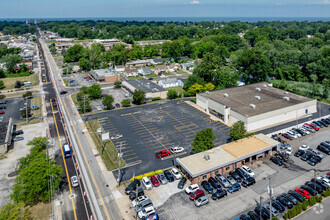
point(150, 174)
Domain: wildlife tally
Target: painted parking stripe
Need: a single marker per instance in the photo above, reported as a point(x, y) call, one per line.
point(132, 158)
point(129, 154)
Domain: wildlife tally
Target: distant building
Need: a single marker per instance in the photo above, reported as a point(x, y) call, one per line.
point(181, 82)
point(144, 71)
point(105, 75)
point(120, 68)
point(174, 67)
point(160, 70)
point(151, 42)
point(188, 65)
point(168, 82)
point(159, 60)
point(6, 130)
point(61, 47)
point(151, 89)
point(138, 63)
point(131, 72)
point(33, 22)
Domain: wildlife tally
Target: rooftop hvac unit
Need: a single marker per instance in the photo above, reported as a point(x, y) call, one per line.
point(225, 94)
point(252, 105)
point(257, 97)
point(286, 98)
point(206, 156)
point(207, 92)
point(258, 89)
point(264, 86)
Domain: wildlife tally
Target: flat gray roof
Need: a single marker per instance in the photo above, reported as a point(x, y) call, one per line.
point(239, 98)
point(146, 85)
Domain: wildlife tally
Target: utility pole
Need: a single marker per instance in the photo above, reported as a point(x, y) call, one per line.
point(119, 158)
point(270, 192)
point(260, 205)
point(84, 98)
point(26, 111)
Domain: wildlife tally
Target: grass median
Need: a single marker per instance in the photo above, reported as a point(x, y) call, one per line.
point(36, 101)
point(9, 82)
point(110, 153)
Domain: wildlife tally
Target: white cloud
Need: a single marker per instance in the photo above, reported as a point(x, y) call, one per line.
point(324, 2)
point(194, 2)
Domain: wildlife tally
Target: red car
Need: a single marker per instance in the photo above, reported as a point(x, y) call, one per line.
point(117, 105)
point(287, 136)
point(87, 77)
point(303, 192)
point(163, 153)
point(197, 194)
point(154, 181)
point(2, 112)
point(313, 126)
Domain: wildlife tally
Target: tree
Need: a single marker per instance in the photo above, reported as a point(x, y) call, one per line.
point(84, 64)
point(196, 88)
point(2, 84)
point(2, 73)
point(209, 87)
point(85, 105)
point(139, 96)
point(27, 94)
point(326, 85)
point(18, 84)
point(74, 53)
point(172, 94)
point(238, 131)
point(117, 84)
point(15, 211)
point(107, 101)
point(125, 102)
point(203, 140)
point(11, 60)
point(94, 91)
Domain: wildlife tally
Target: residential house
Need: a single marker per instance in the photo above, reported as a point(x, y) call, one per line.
point(105, 75)
point(144, 71)
point(181, 82)
point(151, 42)
point(120, 68)
point(174, 67)
point(138, 63)
point(168, 82)
point(188, 65)
point(61, 47)
point(159, 60)
point(151, 89)
point(160, 69)
point(131, 72)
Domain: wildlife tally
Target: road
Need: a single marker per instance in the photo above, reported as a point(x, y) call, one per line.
point(101, 200)
point(318, 212)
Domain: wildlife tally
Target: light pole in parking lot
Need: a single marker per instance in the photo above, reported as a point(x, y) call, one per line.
point(270, 192)
point(119, 159)
point(260, 205)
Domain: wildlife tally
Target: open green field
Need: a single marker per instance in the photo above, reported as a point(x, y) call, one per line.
point(177, 89)
point(110, 152)
point(36, 101)
point(134, 77)
point(152, 75)
point(10, 81)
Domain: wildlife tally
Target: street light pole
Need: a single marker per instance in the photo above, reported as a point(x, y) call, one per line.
point(270, 192)
point(260, 205)
point(119, 158)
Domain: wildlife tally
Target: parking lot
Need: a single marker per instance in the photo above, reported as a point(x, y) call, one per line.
point(178, 206)
point(150, 128)
point(79, 80)
point(13, 109)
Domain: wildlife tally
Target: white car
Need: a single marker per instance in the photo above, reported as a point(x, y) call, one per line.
point(201, 201)
point(74, 181)
point(295, 136)
point(146, 212)
point(289, 151)
point(139, 200)
point(115, 137)
point(99, 108)
point(304, 130)
point(146, 182)
point(176, 150)
point(176, 173)
point(192, 188)
point(248, 171)
point(324, 180)
point(304, 147)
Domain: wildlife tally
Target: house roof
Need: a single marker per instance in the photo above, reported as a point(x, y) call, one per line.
point(262, 95)
point(146, 85)
point(168, 80)
point(131, 70)
point(101, 73)
point(161, 67)
point(159, 60)
point(120, 66)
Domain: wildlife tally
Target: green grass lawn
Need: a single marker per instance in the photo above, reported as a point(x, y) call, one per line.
point(18, 94)
point(182, 72)
point(152, 75)
point(10, 81)
point(134, 77)
point(110, 152)
point(177, 89)
point(36, 101)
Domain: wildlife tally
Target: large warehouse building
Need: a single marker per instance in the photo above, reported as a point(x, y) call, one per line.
point(223, 159)
point(258, 105)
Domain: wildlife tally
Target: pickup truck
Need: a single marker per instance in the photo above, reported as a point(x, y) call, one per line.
point(163, 153)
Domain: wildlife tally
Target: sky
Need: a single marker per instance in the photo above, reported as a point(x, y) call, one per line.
point(163, 8)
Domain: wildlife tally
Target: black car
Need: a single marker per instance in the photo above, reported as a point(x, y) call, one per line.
point(320, 183)
point(309, 189)
point(253, 215)
point(276, 138)
point(18, 132)
point(326, 144)
point(248, 182)
point(182, 182)
point(290, 198)
point(323, 123)
point(308, 155)
point(140, 192)
point(235, 176)
point(242, 174)
point(2, 107)
point(276, 160)
point(297, 195)
point(169, 176)
point(207, 186)
point(245, 217)
point(314, 186)
point(277, 205)
point(314, 160)
point(284, 202)
point(63, 92)
point(220, 193)
point(282, 156)
point(317, 124)
point(216, 185)
point(132, 186)
point(262, 211)
point(301, 132)
point(299, 153)
point(324, 149)
point(132, 195)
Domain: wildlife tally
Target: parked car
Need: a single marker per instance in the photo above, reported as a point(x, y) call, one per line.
point(283, 157)
point(18, 138)
point(169, 175)
point(248, 171)
point(299, 153)
point(312, 126)
point(287, 136)
point(176, 150)
point(176, 173)
point(207, 186)
point(143, 205)
point(245, 217)
point(138, 200)
point(309, 190)
point(305, 130)
point(116, 137)
point(235, 176)
point(195, 195)
point(117, 105)
point(163, 153)
point(253, 215)
point(290, 198)
point(284, 202)
point(308, 128)
point(324, 180)
point(162, 179)
point(231, 180)
point(288, 151)
point(132, 186)
point(314, 186)
point(182, 182)
point(248, 182)
point(1, 112)
point(214, 183)
point(201, 201)
point(140, 192)
point(323, 123)
point(275, 212)
point(146, 182)
point(317, 124)
point(18, 132)
point(297, 195)
point(234, 188)
point(303, 192)
point(262, 211)
point(324, 149)
point(154, 181)
point(278, 205)
point(222, 180)
point(285, 146)
point(132, 196)
point(241, 173)
point(220, 193)
point(74, 181)
point(192, 188)
point(325, 143)
point(308, 155)
point(301, 132)
point(314, 160)
point(320, 183)
point(146, 211)
point(276, 160)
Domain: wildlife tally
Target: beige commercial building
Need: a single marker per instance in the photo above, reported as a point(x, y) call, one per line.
point(225, 158)
point(151, 89)
point(258, 105)
point(105, 75)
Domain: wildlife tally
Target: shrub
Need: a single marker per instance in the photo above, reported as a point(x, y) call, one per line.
point(156, 99)
point(150, 174)
point(319, 199)
point(193, 100)
point(275, 218)
point(2, 97)
point(159, 171)
point(286, 216)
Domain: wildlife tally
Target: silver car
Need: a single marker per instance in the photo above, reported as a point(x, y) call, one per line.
point(274, 211)
point(231, 180)
point(74, 181)
point(162, 179)
point(223, 181)
point(201, 201)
